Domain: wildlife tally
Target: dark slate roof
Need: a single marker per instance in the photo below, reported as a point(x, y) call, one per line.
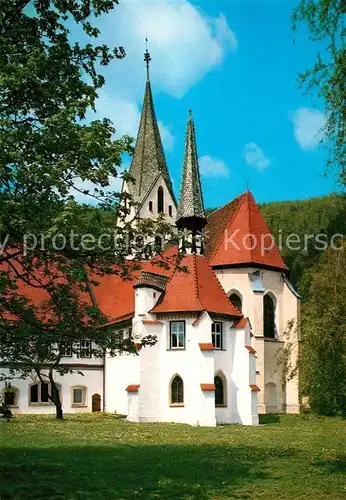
point(191, 199)
point(148, 160)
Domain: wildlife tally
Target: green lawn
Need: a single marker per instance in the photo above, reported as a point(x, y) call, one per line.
point(103, 457)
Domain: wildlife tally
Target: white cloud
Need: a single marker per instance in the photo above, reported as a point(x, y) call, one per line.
point(254, 155)
point(308, 127)
point(184, 44)
point(212, 167)
point(166, 136)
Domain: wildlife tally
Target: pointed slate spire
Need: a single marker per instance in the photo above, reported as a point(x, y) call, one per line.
point(148, 160)
point(191, 213)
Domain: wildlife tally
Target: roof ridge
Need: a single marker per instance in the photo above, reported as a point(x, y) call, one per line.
point(249, 221)
point(229, 223)
point(196, 280)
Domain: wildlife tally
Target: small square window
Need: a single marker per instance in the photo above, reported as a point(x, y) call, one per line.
point(177, 334)
point(216, 335)
point(78, 396)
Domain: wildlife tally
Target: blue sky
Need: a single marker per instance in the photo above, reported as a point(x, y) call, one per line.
point(235, 65)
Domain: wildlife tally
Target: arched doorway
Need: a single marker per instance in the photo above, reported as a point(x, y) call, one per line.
point(96, 402)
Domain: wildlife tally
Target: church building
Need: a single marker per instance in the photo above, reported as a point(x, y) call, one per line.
point(219, 318)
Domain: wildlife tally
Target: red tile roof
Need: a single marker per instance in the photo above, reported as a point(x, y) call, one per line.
point(240, 323)
point(208, 387)
point(250, 349)
point(132, 388)
point(195, 291)
point(234, 236)
point(254, 388)
point(206, 347)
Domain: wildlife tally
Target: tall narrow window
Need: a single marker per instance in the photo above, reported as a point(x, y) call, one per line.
point(160, 200)
point(219, 391)
point(34, 393)
point(177, 334)
point(170, 211)
point(236, 301)
point(177, 390)
point(216, 335)
point(268, 317)
point(150, 206)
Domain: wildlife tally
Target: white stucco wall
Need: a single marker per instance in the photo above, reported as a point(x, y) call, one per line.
point(92, 381)
point(287, 308)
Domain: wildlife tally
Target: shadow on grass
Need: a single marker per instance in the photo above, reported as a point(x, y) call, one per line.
point(270, 418)
point(127, 472)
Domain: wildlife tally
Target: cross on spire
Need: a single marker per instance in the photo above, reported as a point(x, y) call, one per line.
point(147, 57)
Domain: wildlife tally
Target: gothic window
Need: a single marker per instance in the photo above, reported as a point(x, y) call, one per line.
point(236, 301)
point(216, 335)
point(220, 399)
point(177, 334)
point(268, 317)
point(177, 390)
point(160, 200)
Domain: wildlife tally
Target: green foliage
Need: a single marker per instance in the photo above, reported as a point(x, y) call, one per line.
point(117, 459)
point(325, 215)
point(326, 22)
point(323, 349)
point(47, 85)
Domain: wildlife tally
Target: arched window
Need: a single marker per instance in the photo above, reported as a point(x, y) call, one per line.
point(11, 396)
point(160, 200)
point(150, 206)
point(177, 390)
point(236, 301)
point(220, 385)
point(268, 317)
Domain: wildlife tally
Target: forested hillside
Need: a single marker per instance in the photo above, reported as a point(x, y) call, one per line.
point(317, 216)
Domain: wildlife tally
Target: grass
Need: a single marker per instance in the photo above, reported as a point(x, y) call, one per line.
point(104, 457)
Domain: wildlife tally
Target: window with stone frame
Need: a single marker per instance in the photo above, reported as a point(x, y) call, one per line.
point(219, 383)
point(216, 335)
point(269, 329)
point(38, 393)
point(177, 391)
point(79, 396)
point(177, 335)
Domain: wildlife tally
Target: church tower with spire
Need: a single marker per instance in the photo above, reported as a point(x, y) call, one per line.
point(151, 186)
point(191, 217)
